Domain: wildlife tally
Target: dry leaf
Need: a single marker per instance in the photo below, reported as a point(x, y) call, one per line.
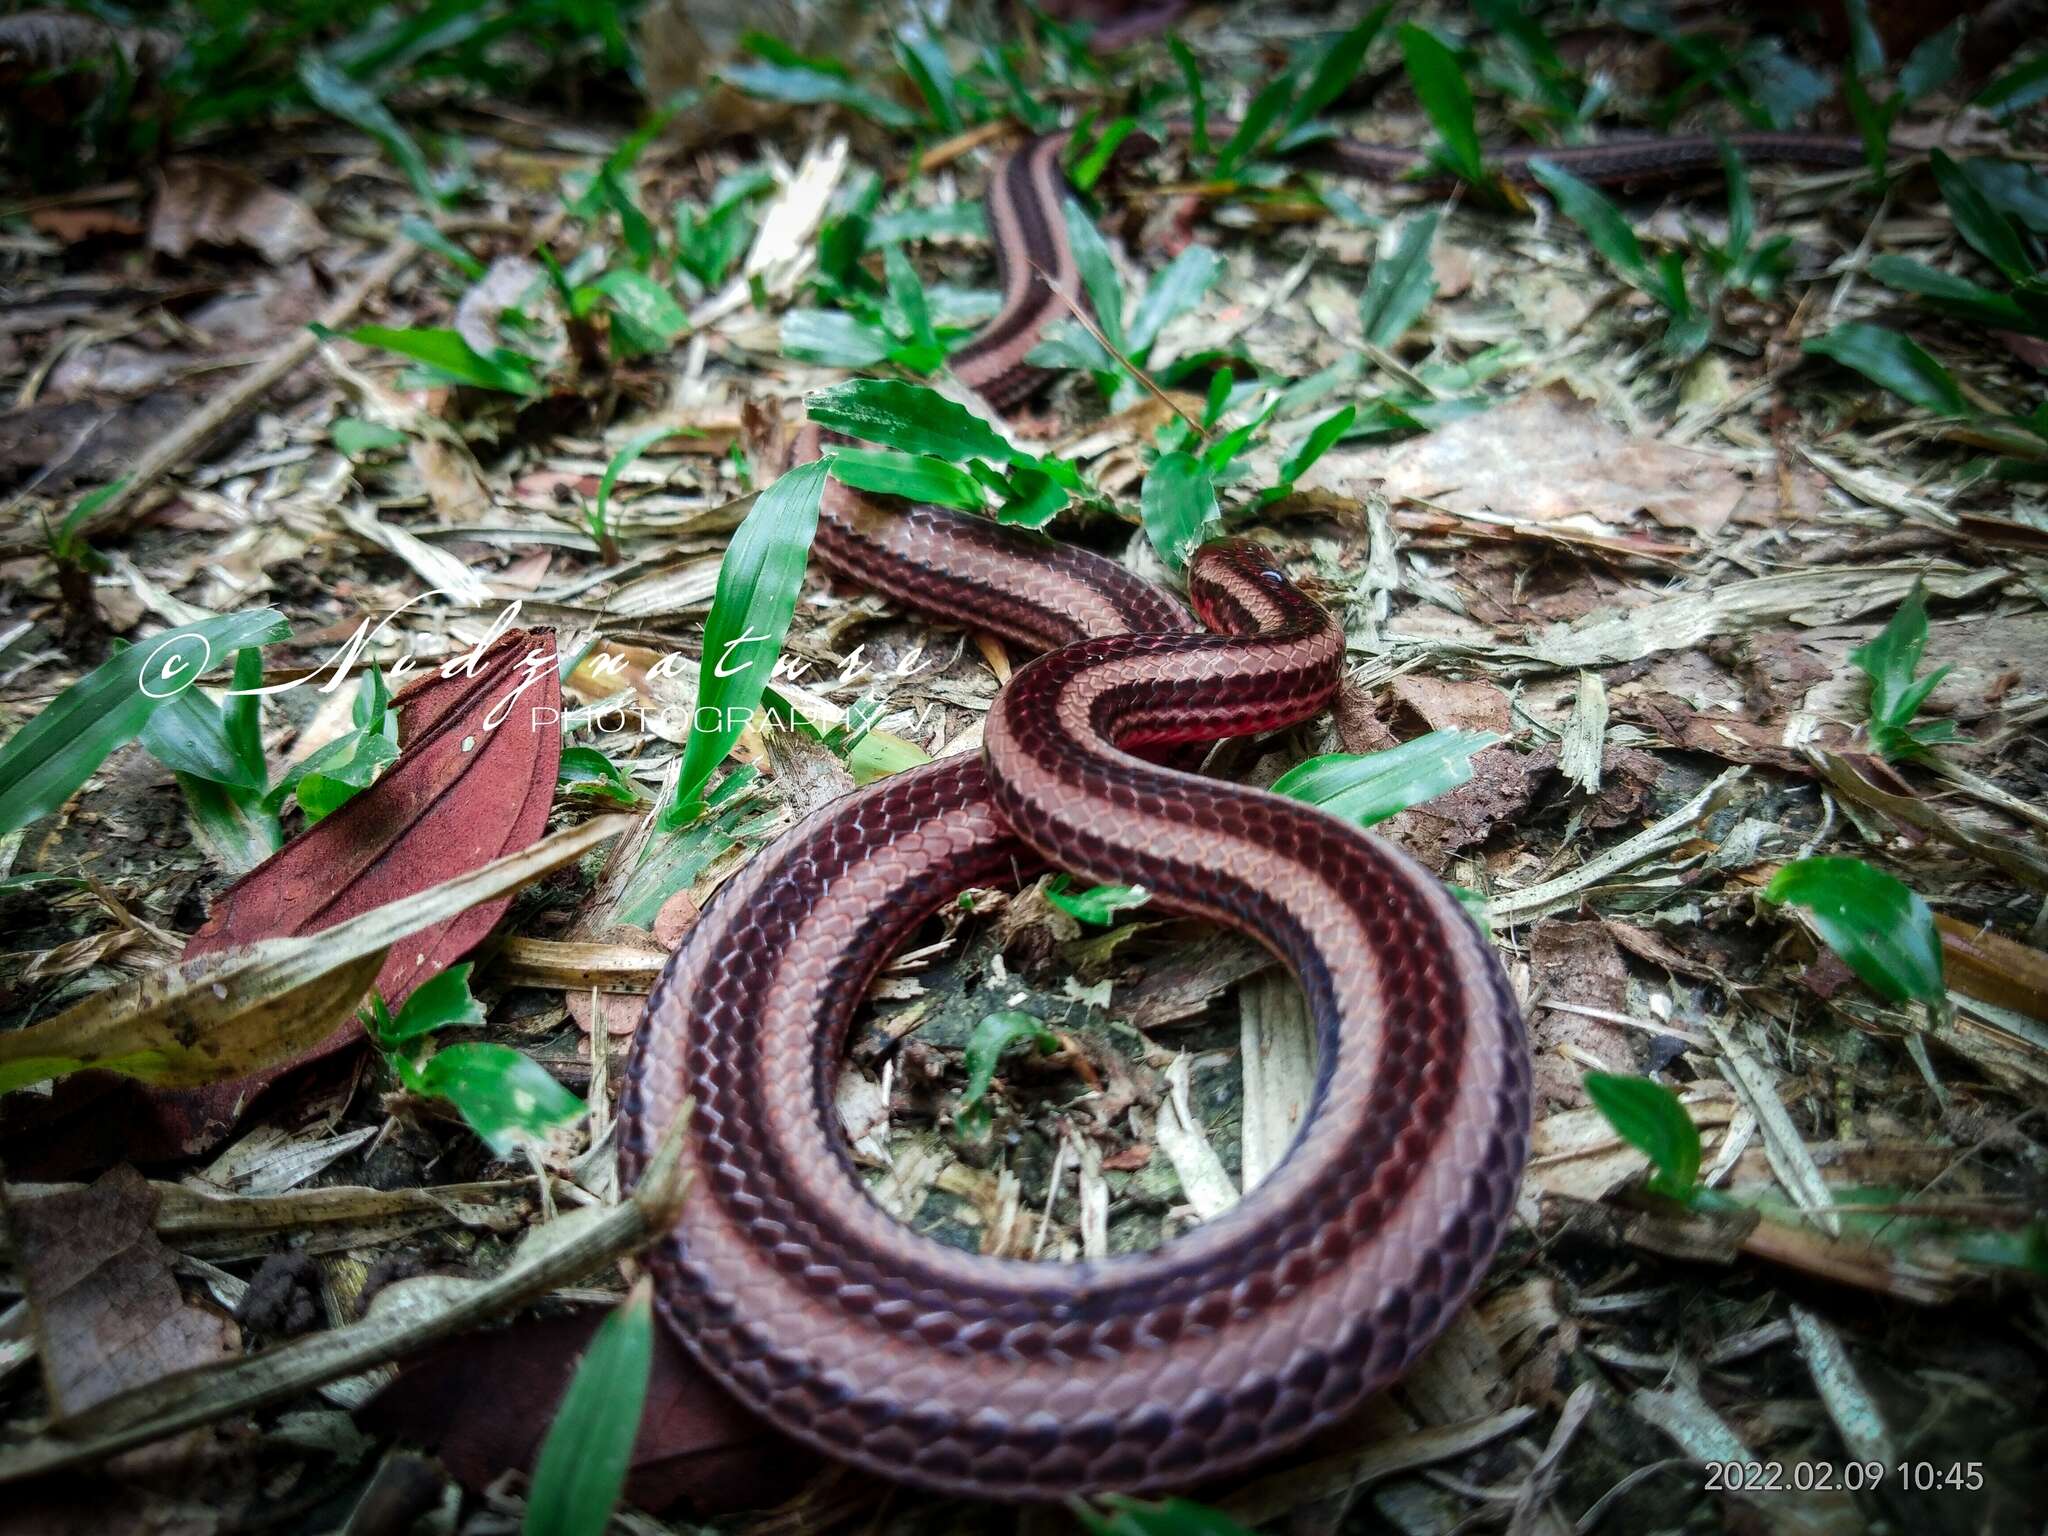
point(203, 202)
point(108, 1313)
point(1547, 455)
point(220, 1016)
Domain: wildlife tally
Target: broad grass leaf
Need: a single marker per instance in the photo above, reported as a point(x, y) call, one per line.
point(1400, 286)
point(994, 1035)
point(219, 1016)
point(1589, 208)
point(448, 354)
point(909, 417)
point(1894, 362)
point(1179, 505)
point(1439, 82)
point(835, 339)
point(758, 582)
point(583, 1461)
point(507, 1097)
point(1367, 788)
point(1648, 1116)
point(915, 476)
point(1879, 925)
point(1173, 293)
point(63, 746)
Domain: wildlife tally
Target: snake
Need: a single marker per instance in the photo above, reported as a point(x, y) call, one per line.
point(1004, 1378)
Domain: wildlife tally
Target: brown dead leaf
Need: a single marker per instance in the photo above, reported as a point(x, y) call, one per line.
point(1503, 783)
point(1994, 969)
point(1546, 456)
point(1441, 704)
point(107, 1311)
point(75, 225)
point(206, 202)
point(461, 794)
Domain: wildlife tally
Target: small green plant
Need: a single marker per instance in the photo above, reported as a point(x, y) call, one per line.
point(933, 449)
point(1688, 323)
point(993, 1036)
point(215, 752)
point(1397, 292)
point(1897, 363)
point(607, 312)
point(1179, 506)
point(597, 518)
point(1522, 62)
point(898, 320)
point(1287, 112)
point(1890, 662)
point(1648, 1116)
point(1739, 260)
point(1438, 77)
point(1932, 65)
point(1125, 337)
point(1099, 906)
point(585, 770)
point(2002, 240)
point(778, 72)
point(1879, 926)
point(330, 777)
point(758, 582)
point(44, 762)
point(583, 1462)
point(507, 1098)
point(77, 562)
point(1767, 86)
point(710, 241)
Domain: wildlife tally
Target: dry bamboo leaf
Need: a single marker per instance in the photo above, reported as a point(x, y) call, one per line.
point(2010, 854)
point(569, 964)
point(236, 1010)
point(206, 202)
point(220, 1016)
point(1275, 1494)
point(1994, 969)
point(1203, 1178)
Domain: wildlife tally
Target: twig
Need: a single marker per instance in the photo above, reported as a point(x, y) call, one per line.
point(419, 1312)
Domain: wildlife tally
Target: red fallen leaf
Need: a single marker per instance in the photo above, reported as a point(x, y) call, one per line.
point(462, 792)
point(482, 1403)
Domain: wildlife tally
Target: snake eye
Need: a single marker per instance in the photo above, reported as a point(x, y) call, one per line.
point(1277, 578)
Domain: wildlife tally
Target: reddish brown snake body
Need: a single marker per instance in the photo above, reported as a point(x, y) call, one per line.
point(1010, 1379)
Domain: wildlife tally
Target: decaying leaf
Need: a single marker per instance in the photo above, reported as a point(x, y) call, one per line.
point(206, 202)
point(1548, 456)
point(474, 778)
point(221, 1015)
point(224, 1012)
point(107, 1309)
